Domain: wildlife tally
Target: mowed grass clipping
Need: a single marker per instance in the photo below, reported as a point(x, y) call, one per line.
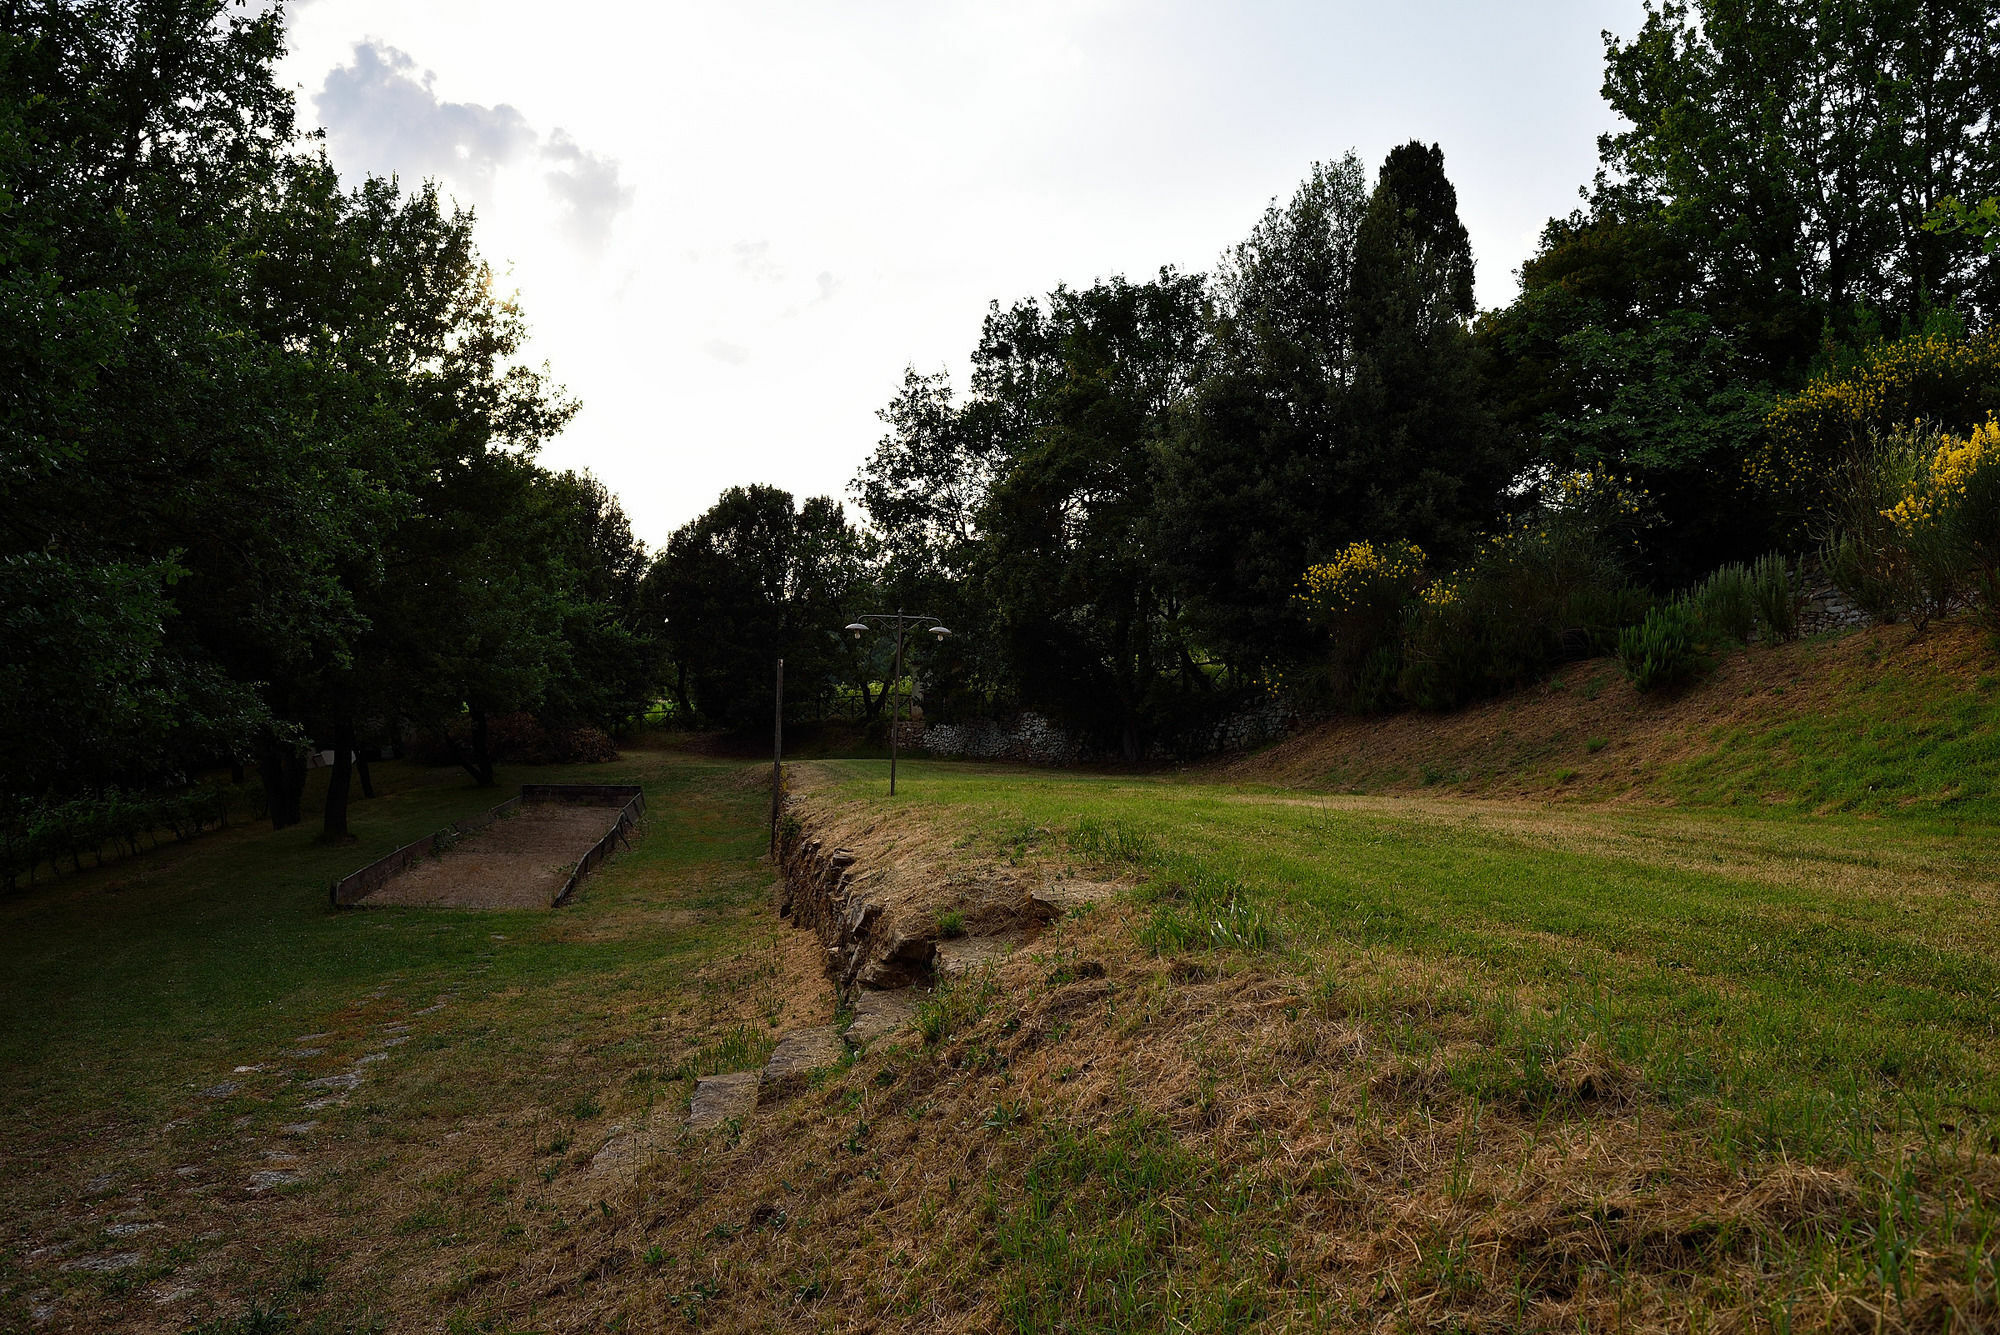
point(1740, 994)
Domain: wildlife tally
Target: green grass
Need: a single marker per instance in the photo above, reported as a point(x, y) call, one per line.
point(131, 989)
point(1823, 979)
point(1895, 741)
point(1763, 989)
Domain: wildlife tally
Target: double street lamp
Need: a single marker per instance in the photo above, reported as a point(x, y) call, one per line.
point(902, 623)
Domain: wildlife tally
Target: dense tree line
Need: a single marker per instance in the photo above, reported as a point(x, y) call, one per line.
point(267, 471)
point(1118, 511)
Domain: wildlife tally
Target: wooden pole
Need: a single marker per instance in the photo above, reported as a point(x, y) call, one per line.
point(777, 755)
point(895, 701)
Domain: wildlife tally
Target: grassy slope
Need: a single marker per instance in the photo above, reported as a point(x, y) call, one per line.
point(1767, 1048)
point(1870, 722)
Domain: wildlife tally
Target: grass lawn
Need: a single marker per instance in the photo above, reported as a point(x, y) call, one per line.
point(496, 1050)
point(1704, 1001)
point(1330, 1061)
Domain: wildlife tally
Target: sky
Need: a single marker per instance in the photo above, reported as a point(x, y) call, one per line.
point(734, 224)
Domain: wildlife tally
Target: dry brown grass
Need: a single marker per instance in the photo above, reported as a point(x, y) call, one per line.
point(1379, 1197)
point(1537, 743)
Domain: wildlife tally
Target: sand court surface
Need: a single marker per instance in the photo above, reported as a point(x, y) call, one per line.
point(518, 862)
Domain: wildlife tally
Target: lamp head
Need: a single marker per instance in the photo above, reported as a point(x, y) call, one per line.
point(941, 633)
point(856, 629)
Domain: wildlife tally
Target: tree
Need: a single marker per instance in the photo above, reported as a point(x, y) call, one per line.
point(1418, 457)
point(1244, 477)
point(752, 580)
point(1092, 383)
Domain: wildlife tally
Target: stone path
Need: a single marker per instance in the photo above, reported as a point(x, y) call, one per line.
point(277, 1166)
point(721, 1098)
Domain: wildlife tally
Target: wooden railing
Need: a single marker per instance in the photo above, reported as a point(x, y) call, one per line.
point(628, 816)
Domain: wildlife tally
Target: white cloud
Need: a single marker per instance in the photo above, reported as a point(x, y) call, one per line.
point(586, 185)
point(383, 116)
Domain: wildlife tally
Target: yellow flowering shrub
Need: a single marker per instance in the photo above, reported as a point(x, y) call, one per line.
point(1947, 520)
point(1360, 577)
point(1357, 599)
point(1939, 378)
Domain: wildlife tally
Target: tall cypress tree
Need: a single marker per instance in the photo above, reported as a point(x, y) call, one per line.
point(1419, 457)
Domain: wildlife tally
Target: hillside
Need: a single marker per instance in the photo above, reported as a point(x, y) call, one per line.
point(1868, 721)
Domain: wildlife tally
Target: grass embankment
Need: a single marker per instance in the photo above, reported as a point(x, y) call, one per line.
point(132, 995)
point(1402, 1063)
point(1395, 1061)
point(1871, 722)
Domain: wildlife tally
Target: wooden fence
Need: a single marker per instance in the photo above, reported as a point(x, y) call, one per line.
point(634, 806)
point(630, 800)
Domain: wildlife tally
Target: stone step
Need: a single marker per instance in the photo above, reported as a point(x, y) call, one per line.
point(719, 1098)
point(797, 1056)
point(1067, 894)
point(878, 1014)
point(969, 956)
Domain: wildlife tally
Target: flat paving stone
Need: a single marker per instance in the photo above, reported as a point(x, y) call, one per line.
point(880, 1014)
point(971, 955)
point(221, 1091)
point(803, 1051)
point(623, 1150)
point(1067, 895)
point(274, 1177)
point(718, 1098)
point(104, 1265)
point(128, 1230)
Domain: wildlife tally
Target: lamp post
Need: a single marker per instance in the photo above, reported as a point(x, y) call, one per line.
point(902, 623)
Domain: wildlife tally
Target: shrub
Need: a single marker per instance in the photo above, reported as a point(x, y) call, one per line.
point(1664, 650)
point(1948, 521)
point(1864, 557)
point(1357, 600)
point(1776, 591)
point(1935, 377)
point(1550, 589)
point(1727, 605)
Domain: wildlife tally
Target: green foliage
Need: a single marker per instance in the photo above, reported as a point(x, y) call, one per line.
point(1072, 560)
point(1871, 403)
point(1550, 589)
point(1726, 606)
point(1664, 651)
point(753, 579)
point(267, 441)
point(1777, 592)
point(1358, 601)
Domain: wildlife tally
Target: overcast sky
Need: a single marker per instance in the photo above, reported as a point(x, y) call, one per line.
point(734, 224)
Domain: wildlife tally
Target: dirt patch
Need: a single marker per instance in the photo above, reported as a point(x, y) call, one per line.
point(516, 863)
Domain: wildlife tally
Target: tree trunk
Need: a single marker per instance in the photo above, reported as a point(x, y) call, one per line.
point(361, 773)
point(283, 774)
point(333, 824)
point(680, 693)
point(482, 754)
